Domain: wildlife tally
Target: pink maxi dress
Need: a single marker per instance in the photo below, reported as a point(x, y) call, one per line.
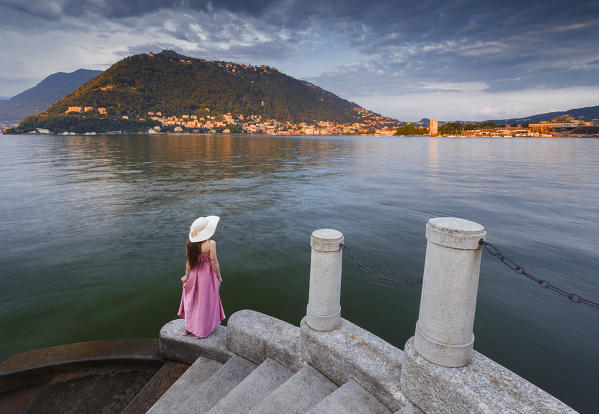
point(200, 302)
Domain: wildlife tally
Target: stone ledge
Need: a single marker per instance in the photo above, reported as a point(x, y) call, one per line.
point(174, 346)
point(108, 349)
point(256, 336)
point(351, 352)
point(41, 364)
point(483, 386)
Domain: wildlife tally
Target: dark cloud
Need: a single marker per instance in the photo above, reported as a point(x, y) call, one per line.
point(383, 47)
point(505, 44)
point(129, 8)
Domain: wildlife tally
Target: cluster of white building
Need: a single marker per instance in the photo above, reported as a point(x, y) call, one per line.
point(82, 109)
point(255, 124)
point(563, 122)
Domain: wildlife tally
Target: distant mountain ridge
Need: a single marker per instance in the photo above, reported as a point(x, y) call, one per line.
point(586, 114)
point(175, 85)
point(44, 94)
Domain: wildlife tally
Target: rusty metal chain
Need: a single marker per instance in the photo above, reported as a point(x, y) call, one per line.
point(573, 297)
point(376, 275)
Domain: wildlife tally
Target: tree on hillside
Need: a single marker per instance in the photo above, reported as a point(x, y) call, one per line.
point(451, 128)
point(408, 129)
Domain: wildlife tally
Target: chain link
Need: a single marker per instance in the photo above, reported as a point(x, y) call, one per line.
point(376, 275)
point(573, 297)
point(493, 251)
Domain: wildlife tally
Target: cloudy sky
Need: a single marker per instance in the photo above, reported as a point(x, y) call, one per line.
point(406, 59)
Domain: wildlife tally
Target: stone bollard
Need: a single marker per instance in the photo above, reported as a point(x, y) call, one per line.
point(324, 306)
point(449, 287)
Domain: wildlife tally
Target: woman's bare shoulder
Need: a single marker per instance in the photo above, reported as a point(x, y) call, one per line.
point(208, 246)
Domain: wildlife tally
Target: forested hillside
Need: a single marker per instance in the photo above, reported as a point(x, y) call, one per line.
point(175, 84)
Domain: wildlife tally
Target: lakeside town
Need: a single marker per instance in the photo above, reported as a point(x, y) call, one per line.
point(255, 124)
point(212, 123)
point(562, 125)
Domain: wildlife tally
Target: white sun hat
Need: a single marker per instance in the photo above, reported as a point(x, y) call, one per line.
point(203, 228)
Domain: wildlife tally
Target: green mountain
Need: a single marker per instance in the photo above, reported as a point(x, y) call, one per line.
point(176, 85)
point(43, 94)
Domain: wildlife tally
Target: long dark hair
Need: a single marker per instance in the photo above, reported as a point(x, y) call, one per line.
point(193, 252)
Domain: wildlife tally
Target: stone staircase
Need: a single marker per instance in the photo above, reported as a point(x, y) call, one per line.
point(256, 366)
point(259, 364)
point(241, 386)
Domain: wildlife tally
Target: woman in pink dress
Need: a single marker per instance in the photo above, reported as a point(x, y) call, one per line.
point(200, 301)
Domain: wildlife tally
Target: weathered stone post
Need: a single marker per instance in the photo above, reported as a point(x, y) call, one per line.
point(449, 287)
point(324, 306)
point(441, 373)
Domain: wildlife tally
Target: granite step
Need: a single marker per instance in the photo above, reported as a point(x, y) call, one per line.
point(182, 389)
point(174, 346)
point(349, 398)
point(254, 388)
point(164, 378)
point(203, 398)
point(304, 389)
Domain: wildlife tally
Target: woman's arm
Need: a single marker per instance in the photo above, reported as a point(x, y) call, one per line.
point(214, 260)
point(184, 278)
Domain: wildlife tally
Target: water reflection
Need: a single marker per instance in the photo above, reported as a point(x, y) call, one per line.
point(213, 156)
point(433, 158)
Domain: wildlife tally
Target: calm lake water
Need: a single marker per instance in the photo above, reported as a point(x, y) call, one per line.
point(93, 232)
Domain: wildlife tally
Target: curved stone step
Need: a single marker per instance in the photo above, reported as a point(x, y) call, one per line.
point(203, 398)
point(349, 398)
point(299, 393)
point(253, 389)
point(175, 346)
point(164, 378)
point(182, 389)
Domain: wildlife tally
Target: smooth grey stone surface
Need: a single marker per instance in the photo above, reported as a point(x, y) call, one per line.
point(257, 336)
point(299, 393)
point(483, 386)
point(253, 389)
point(174, 346)
point(182, 389)
point(351, 352)
point(204, 397)
point(350, 398)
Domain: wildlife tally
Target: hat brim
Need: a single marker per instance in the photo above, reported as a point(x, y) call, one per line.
point(207, 232)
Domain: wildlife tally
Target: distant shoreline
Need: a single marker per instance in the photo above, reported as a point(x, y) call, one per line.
point(217, 134)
